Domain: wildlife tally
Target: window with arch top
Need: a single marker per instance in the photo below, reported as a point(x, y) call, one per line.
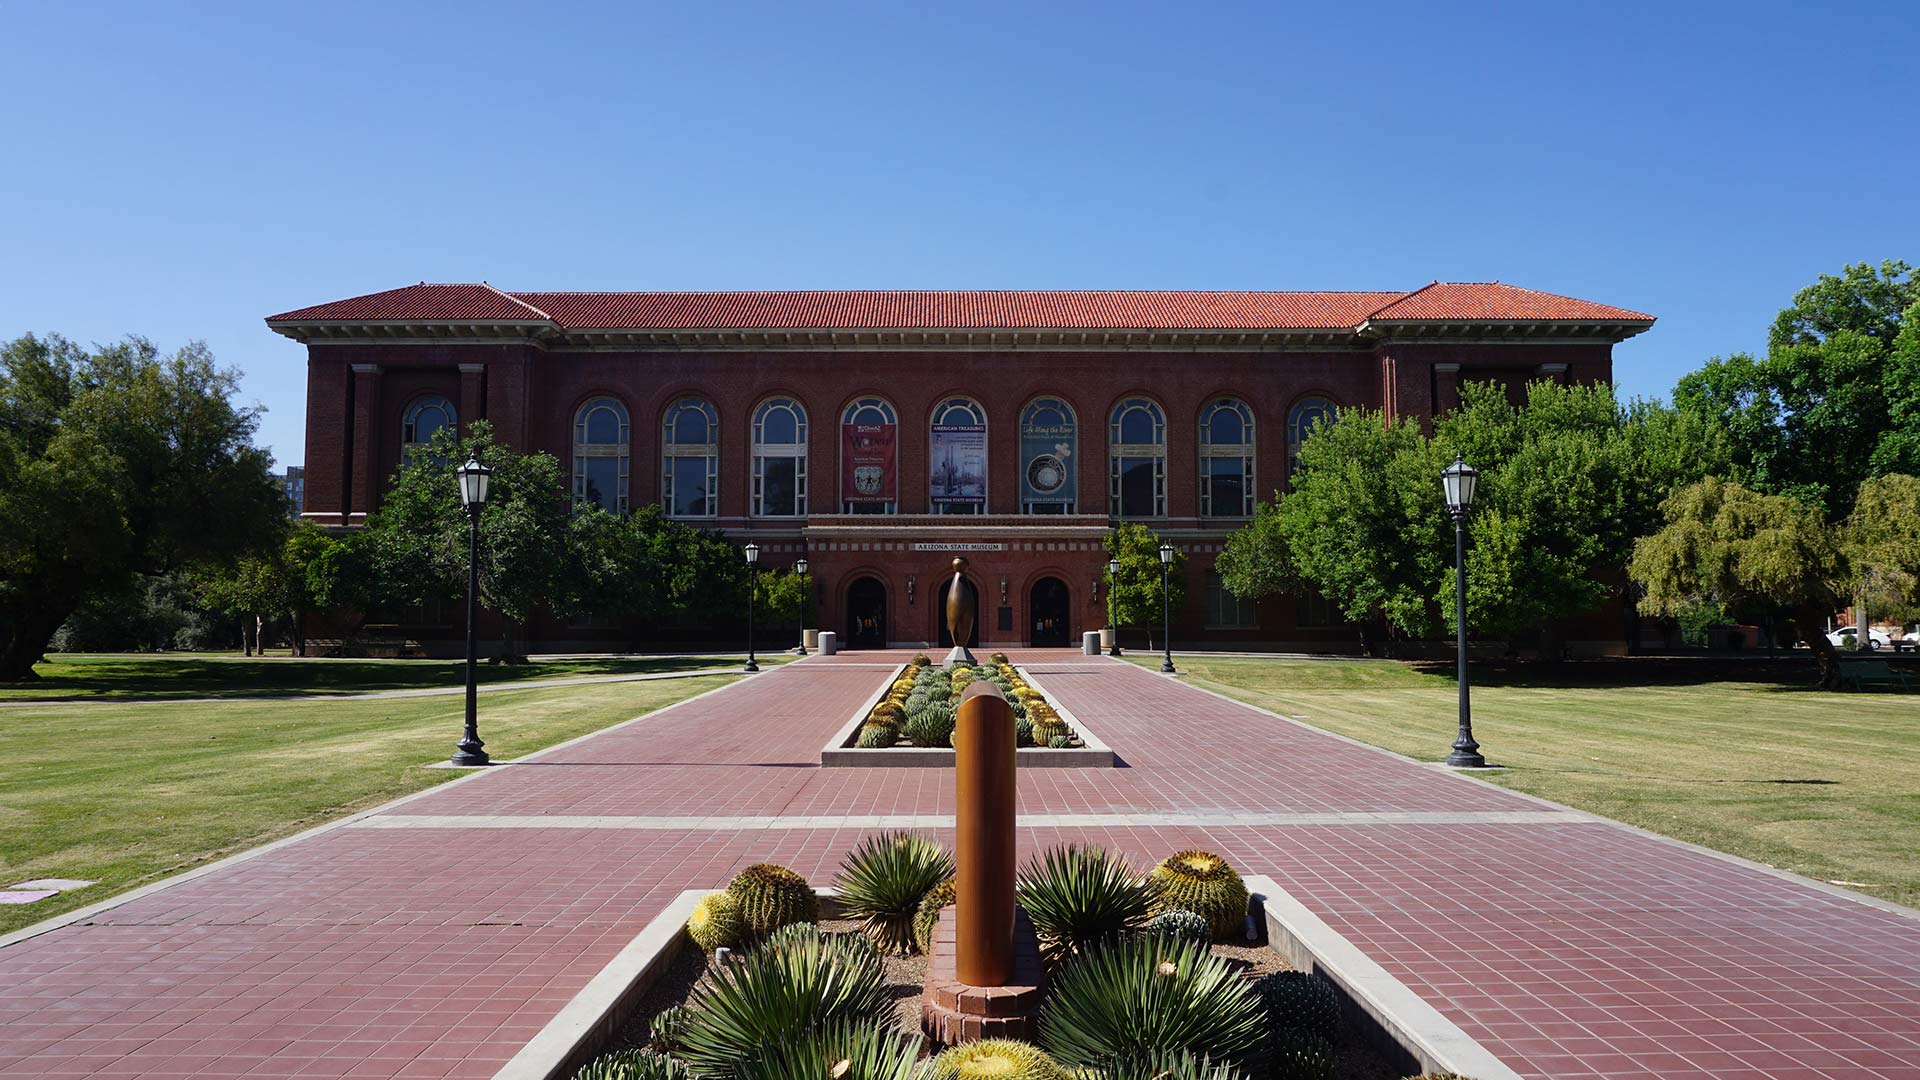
point(957, 458)
point(779, 458)
point(1306, 414)
point(1137, 456)
point(869, 457)
point(426, 417)
point(602, 455)
point(1226, 459)
point(690, 459)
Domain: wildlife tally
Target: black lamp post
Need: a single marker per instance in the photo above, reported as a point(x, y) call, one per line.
point(806, 594)
point(1457, 481)
point(1166, 609)
point(753, 557)
point(1113, 581)
point(473, 478)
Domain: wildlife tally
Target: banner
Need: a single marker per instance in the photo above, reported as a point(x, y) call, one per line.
point(1048, 473)
point(866, 463)
point(959, 463)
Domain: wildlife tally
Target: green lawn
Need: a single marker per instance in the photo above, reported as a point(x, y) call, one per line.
point(159, 676)
point(1823, 784)
point(128, 793)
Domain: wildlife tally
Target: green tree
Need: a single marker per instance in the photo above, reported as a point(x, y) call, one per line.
point(1137, 592)
point(1255, 561)
point(644, 567)
point(117, 463)
point(277, 582)
point(1726, 544)
point(1882, 543)
point(417, 540)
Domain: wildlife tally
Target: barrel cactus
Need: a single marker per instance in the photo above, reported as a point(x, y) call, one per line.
point(1060, 742)
point(1002, 1059)
point(770, 897)
point(933, 726)
point(1298, 1001)
point(921, 660)
point(1300, 1055)
point(1180, 923)
point(715, 922)
point(925, 919)
point(877, 737)
point(1202, 882)
point(1046, 730)
point(998, 658)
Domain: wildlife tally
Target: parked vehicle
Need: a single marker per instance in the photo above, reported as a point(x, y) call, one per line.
point(1876, 638)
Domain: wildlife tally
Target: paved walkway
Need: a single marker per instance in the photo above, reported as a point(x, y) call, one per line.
point(434, 937)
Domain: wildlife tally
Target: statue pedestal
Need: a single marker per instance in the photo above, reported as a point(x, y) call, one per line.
point(959, 653)
point(952, 1012)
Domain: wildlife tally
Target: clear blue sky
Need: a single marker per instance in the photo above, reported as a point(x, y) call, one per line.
point(182, 170)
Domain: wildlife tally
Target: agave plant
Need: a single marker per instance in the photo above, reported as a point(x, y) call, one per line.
point(883, 881)
point(779, 991)
point(1079, 897)
point(841, 1051)
point(1168, 1065)
point(633, 1065)
point(1150, 995)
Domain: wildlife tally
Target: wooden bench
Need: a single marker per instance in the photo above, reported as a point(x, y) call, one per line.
point(1861, 674)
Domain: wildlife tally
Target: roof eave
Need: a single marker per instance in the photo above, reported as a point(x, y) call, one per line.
point(400, 330)
point(1613, 330)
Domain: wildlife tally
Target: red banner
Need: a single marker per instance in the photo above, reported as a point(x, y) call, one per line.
point(867, 473)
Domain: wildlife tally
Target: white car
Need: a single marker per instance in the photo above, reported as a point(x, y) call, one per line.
point(1876, 639)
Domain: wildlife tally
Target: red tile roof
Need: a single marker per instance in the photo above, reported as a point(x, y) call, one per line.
point(848, 309)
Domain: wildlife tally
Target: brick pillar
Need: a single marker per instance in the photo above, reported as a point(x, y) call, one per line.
point(329, 455)
point(473, 395)
point(1556, 373)
point(367, 440)
point(509, 390)
point(1446, 387)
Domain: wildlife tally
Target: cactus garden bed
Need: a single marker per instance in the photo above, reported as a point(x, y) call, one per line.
point(910, 720)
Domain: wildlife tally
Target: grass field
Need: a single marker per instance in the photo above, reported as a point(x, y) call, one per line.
point(121, 676)
point(1823, 784)
point(126, 793)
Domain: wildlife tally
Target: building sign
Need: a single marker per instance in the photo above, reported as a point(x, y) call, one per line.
point(959, 463)
point(867, 474)
point(1047, 468)
point(971, 545)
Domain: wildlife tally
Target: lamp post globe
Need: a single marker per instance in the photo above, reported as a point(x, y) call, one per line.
point(1113, 582)
point(806, 594)
point(1166, 610)
point(1457, 483)
point(474, 480)
point(753, 557)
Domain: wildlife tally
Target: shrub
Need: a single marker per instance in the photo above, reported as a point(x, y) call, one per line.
point(803, 982)
point(877, 737)
point(715, 922)
point(1297, 1001)
point(883, 881)
point(1180, 923)
point(633, 1065)
point(1301, 1055)
point(1149, 995)
point(928, 916)
point(667, 1029)
point(1001, 1059)
point(770, 897)
point(871, 1051)
point(1202, 882)
point(1168, 1065)
point(1080, 897)
point(932, 727)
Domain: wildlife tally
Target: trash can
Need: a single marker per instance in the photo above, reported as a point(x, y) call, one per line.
point(829, 643)
point(1090, 643)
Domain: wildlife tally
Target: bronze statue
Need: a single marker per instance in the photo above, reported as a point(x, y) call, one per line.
point(961, 611)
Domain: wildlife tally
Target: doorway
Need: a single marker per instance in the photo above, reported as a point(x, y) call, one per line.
point(867, 614)
point(940, 614)
point(1048, 610)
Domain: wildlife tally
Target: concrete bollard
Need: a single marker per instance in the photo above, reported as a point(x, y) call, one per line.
point(1090, 643)
point(983, 744)
point(829, 643)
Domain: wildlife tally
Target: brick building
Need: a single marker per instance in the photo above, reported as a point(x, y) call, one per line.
point(879, 433)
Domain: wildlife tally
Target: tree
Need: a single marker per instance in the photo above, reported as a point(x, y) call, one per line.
point(1726, 544)
point(417, 540)
point(117, 463)
point(1255, 562)
point(645, 567)
point(1137, 594)
point(1882, 544)
point(277, 582)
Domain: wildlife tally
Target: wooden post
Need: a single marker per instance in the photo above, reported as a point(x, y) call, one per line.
point(983, 744)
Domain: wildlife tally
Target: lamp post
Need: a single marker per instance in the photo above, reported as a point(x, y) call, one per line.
point(473, 478)
point(1113, 581)
point(1457, 482)
point(806, 594)
point(753, 557)
point(1166, 609)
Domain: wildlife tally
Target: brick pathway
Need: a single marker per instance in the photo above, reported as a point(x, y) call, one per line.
point(435, 937)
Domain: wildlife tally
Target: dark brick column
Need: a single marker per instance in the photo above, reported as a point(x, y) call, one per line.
point(329, 454)
point(473, 395)
point(367, 438)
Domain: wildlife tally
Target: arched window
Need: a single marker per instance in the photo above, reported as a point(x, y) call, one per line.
point(1049, 461)
point(1137, 452)
point(690, 460)
point(957, 458)
point(779, 458)
point(1226, 459)
point(1301, 419)
point(602, 454)
point(425, 417)
point(869, 458)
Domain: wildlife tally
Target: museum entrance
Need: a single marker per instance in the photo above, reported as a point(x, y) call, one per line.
point(1048, 608)
point(867, 614)
point(940, 614)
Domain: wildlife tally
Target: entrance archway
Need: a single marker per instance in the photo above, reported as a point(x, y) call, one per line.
point(940, 614)
point(1049, 608)
point(867, 614)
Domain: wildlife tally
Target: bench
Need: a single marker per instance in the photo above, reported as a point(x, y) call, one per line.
point(1861, 674)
